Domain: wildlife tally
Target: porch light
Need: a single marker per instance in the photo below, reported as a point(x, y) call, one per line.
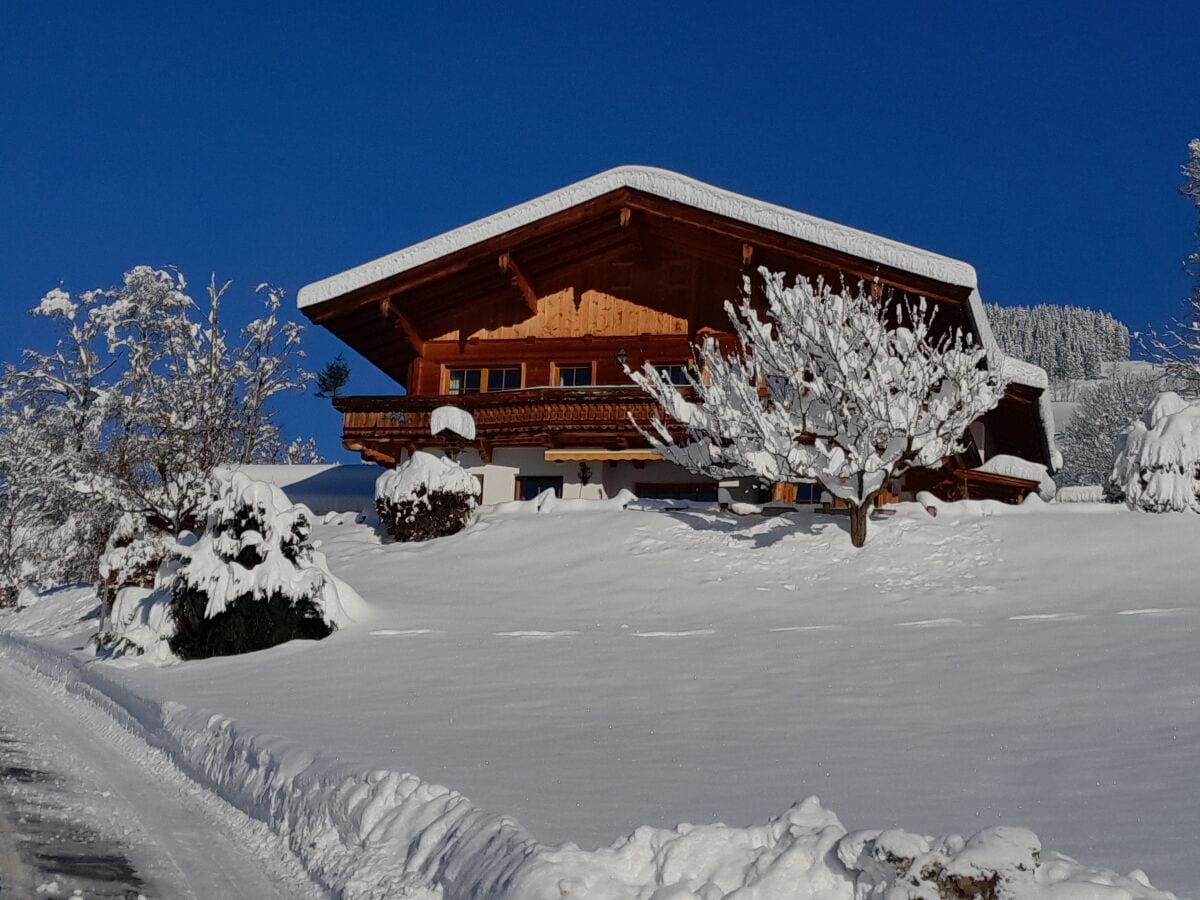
point(622, 357)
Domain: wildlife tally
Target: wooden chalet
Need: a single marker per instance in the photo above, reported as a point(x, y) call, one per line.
point(521, 319)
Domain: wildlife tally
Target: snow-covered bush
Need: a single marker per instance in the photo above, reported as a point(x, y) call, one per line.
point(253, 579)
point(1157, 465)
point(425, 497)
point(839, 387)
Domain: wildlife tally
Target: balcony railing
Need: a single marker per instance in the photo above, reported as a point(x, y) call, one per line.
point(530, 416)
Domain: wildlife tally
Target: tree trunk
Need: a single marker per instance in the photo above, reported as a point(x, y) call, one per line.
point(858, 520)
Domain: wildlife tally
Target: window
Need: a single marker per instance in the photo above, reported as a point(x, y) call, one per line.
point(464, 381)
point(529, 486)
point(476, 381)
point(574, 375)
point(503, 379)
point(674, 373)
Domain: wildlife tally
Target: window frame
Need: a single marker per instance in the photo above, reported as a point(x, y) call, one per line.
point(685, 366)
point(484, 373)
point(557, 368)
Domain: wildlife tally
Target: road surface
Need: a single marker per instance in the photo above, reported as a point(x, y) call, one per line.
point(88, 809)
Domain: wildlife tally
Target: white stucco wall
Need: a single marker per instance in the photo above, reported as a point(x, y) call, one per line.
point(607, 478)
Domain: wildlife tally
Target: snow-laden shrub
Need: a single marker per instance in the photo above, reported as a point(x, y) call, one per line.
point(1157, 465)
point(425, 497)
point(253, 579)
point(250, 580)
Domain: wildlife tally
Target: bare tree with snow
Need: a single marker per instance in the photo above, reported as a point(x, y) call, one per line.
point(829, 385)
point(1105, 410)
point(144, 395)
point(1178, 346)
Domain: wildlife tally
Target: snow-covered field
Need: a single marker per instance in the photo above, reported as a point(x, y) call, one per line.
point(589, 672)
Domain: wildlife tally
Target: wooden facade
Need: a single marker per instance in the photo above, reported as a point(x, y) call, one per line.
point(532, 321)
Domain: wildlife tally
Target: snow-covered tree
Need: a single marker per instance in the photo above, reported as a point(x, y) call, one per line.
point(1157, 464)
point(302, 452)
point(142, 397)
point(1178, 346)
point(190, 402)
point(827, 385)
point(1071, 343)
point(1105, 410)
point(38, 540)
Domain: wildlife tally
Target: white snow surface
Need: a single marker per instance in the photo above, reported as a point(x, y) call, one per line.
point(451, 418)
point(622, 671)
point(1016, 467)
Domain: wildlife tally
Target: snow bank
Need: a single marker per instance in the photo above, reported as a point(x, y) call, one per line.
point(964, 509)
point(382, 834)
point(1015, 467)
point(421, 474)
point(1157, 465)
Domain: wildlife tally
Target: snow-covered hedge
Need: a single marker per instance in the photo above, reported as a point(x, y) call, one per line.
point(1157, 465)
point(251, 580)
point(425, 497)
point(1081, 493)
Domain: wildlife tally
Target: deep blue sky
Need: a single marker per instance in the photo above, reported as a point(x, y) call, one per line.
point(284, 142)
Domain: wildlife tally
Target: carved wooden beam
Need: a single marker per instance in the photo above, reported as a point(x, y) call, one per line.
point(517, 279)
point(371, 453)
point(398, 319)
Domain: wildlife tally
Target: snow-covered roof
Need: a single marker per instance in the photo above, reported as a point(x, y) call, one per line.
point(669, 186)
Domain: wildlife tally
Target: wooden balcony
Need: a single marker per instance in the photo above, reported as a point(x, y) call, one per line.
point(592, 417)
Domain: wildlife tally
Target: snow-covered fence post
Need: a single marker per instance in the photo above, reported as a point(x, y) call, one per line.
point(830, 385)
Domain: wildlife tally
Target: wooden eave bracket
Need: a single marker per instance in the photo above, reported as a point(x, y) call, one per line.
point(509, 267)
point(632, 226)
point(397, 318)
